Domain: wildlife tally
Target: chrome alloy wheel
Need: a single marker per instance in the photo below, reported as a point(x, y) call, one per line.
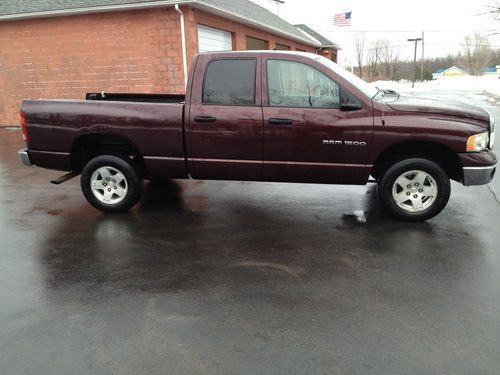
point(414, 191)
point(108, 185)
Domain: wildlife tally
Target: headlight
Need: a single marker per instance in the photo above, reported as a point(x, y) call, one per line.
point(492, 132)
point(477, 142)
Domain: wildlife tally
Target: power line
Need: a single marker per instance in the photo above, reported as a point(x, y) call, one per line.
point(413, 31)
point(400, 43)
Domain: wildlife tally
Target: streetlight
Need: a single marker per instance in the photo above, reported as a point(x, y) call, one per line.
point(416, 40)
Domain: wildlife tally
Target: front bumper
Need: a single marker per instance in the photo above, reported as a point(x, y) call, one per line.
point(478, 167)
point(25, 157)
point(478, 175)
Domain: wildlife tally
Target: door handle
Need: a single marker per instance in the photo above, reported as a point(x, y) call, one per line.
point(204, 119)
point(280, 121)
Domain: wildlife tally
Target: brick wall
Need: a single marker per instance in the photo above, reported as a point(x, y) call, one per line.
point(131, 51)
point(65, 57)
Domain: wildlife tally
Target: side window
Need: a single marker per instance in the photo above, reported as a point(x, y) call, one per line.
point(293, 84)
point(230, 82)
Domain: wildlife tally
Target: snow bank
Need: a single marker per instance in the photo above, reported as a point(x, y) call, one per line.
point(489, 84)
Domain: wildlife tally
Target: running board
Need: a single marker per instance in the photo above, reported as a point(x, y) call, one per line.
point(64, 178)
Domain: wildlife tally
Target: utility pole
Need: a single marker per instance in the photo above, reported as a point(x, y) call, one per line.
point(416, 40)
point(422, 62)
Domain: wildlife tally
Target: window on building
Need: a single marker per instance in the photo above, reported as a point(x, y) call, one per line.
point(282, 47)
point(256, 44)
point(210, 39)
point(230, 82)
point(300, 50)
point(293, 84)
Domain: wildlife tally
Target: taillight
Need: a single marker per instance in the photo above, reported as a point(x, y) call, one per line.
point(23, 127)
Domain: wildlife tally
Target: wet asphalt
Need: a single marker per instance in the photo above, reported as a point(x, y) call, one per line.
point(244, 278)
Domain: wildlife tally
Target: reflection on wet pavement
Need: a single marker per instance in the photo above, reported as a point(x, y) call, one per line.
point(210, 277)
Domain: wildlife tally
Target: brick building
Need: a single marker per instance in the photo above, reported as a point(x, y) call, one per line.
point(59, 49)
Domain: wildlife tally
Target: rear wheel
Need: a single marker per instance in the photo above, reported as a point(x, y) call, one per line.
point(414, 189)
point(111, 183)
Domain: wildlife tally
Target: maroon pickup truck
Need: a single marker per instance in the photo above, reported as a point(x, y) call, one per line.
point(264, 116)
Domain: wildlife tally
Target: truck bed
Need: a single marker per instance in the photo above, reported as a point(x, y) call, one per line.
point(56, 127)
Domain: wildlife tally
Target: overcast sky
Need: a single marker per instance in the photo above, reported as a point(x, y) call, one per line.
point(445, 22)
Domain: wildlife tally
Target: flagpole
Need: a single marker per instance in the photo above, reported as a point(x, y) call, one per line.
point(344, 20)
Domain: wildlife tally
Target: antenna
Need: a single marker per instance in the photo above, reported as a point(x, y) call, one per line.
point(278, 3)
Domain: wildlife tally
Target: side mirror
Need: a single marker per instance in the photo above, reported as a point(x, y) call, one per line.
point(348, 107)
point(349, 102)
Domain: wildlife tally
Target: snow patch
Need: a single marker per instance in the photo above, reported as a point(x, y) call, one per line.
point(490, 84)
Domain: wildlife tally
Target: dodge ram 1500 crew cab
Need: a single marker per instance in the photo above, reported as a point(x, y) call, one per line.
point(264, 116)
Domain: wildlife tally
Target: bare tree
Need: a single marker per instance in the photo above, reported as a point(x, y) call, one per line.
point(360, 51)
point(476, 51)
point(389, 57)
point(373, 58)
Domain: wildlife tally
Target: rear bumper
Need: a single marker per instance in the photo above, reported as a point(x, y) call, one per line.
point(25, 157)
point(478, 167)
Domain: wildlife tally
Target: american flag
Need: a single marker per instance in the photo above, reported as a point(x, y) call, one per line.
point(342, 19)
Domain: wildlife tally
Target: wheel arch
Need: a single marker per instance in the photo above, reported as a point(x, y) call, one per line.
point(91, 145)
point(437, 152)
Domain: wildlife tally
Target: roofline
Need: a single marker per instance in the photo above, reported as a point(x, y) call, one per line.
point(87, 10)
point(157, 4)
point(308, 35)
point(331, 45)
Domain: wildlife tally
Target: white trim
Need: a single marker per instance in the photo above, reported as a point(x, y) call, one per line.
point(333, 45)
point(308, 35)
point(183, 43)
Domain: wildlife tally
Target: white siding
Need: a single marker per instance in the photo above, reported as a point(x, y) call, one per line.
point(210, 39)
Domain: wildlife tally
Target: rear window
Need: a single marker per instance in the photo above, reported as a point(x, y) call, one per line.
point(230, 82)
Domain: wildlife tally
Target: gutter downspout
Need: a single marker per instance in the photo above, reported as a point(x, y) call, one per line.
point(183, 41)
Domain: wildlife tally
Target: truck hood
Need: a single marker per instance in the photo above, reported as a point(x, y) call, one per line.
point(438, 106)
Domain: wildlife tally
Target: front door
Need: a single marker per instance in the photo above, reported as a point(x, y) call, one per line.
point(307, 136)
point(225, 126)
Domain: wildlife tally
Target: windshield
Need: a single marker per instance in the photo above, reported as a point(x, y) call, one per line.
point(360, 84)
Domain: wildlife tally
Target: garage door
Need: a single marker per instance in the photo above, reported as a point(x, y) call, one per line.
point(210, 39)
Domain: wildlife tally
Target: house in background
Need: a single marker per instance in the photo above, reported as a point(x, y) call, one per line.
point(63, 49)
point(452, 71)
point(459, 71)
point(491, 71)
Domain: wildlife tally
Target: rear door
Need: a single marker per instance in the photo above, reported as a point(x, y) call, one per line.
point(307, 136)
point(224, 125)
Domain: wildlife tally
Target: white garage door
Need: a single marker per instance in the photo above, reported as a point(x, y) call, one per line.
point(210, 39)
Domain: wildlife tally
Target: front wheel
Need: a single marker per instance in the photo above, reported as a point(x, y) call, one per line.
point(414, 189)
point(111, 183)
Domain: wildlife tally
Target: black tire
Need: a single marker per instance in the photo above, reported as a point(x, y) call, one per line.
point(129, 185)
point(415, 193)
